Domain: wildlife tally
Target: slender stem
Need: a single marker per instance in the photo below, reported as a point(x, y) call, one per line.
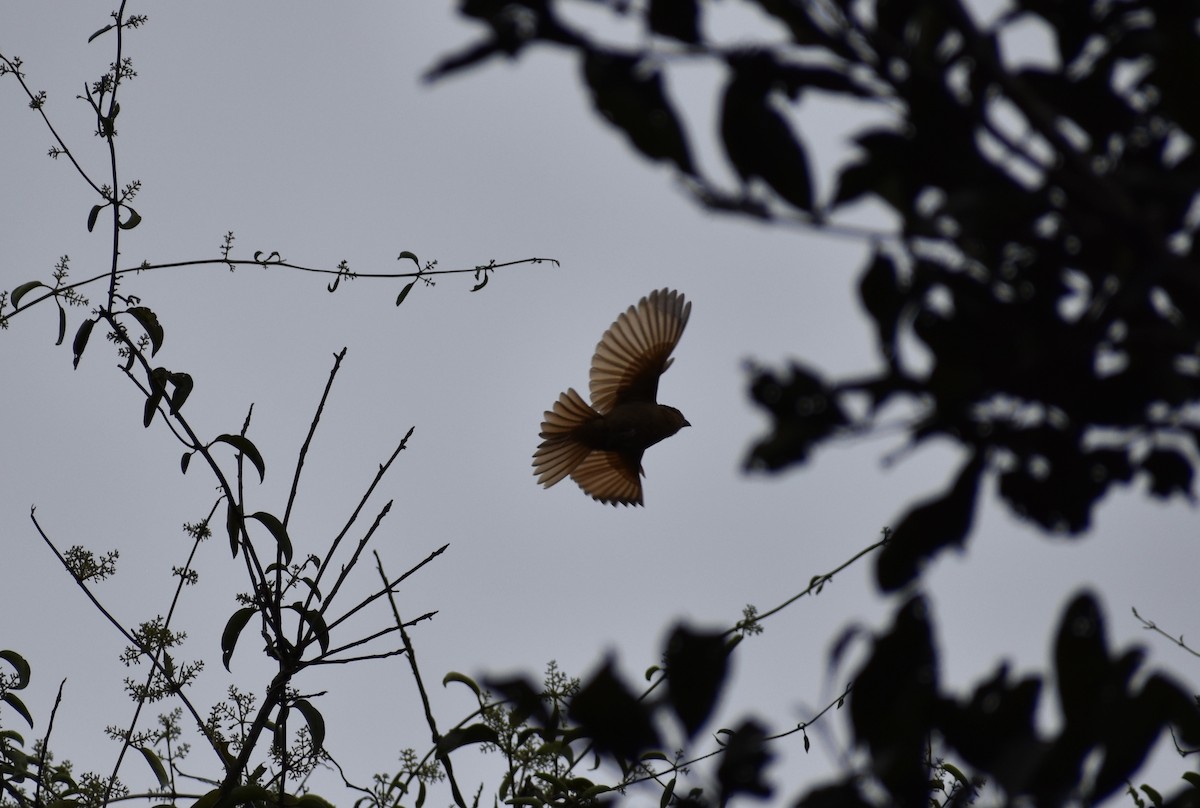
point(442, 756)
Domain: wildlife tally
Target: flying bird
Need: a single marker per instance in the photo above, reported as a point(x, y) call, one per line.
point(600, 446)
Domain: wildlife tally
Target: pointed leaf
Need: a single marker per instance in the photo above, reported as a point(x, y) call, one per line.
point(312, 587)
point(404, 292)
point(461, 678)
point(233, 630)
point(928, 528)
point(20, 665)
point(208, 800)
point(15, 296)
point(462, 736)
point(628, 92)
point(14, 701)
point(156, 766)
point(152, 402)
point(523, 700)
point(149, 322)
point(92, 216)
point(668, 792)
point(134, 217)
point(891, 705)
point(616, 721)
point(482, 283)
point(316, 623)
point(233, 527)
point(62, 326)
point(108, 27)
point(182, 384)
point(278, 531)
point(185, 461)
point(757, 138)
point(745, 759)
point(247, 448)
point(697, 664)
point(315, 721)
point(410, 256)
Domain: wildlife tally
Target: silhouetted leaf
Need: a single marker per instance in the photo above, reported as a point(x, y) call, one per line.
point(20, 665)
point(92, 216)
point(233, 629)
point(891, 706)
point(247, 448)
point(804, 409)
point(14, 701)
point(995, 731)
point(233, 527)
point(928, 528)
point(697, 664)
point(151, 406)
point(14, 297)
point(628, 92)
point(181, 384)
point(149, 323)
point(108, 27)
point(81, 340)
point(134, 218)
point(524, 700)
point(156, 766)
point(462, 678)
point(608, 713)
point(744, 762)
point(757, 138)
point(463, 736)
point(278, 531)
point(315, 721)
point(316, 624)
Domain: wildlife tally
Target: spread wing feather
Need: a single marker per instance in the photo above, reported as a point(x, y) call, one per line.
point(610, 478)
point(636, 350)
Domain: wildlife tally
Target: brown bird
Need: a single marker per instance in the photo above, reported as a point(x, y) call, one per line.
point(600, 447)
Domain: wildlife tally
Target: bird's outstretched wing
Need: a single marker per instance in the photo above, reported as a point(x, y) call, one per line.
point(636, 350)
point(611, 477)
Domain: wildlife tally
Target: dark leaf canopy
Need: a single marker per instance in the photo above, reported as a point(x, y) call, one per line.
point(1038, 300)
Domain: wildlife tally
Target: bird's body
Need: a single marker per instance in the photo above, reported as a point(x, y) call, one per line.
point(600, 446)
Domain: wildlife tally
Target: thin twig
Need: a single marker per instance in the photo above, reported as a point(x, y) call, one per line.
point(1150, 625)
point(442, 756)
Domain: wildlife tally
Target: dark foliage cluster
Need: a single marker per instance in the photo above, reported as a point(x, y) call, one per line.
point(1112, 714)
point(1038, 300)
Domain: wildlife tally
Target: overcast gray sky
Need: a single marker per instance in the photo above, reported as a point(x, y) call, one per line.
point(307, 131)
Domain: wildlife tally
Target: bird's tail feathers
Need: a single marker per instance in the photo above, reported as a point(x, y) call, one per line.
point(560, 451)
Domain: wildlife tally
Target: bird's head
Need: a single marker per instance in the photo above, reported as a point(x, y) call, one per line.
point(674, 418)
